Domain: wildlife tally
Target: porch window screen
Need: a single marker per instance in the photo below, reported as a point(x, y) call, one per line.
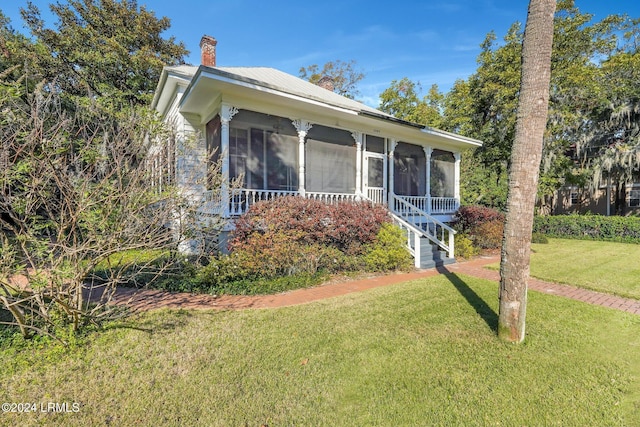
point(282, 162)
point(442, 174)
point(213, 148)
point(409, 170)
point(330, 161)
point(264, 149)
point(375, 144)
point(261, 156)
point(255, 160)
point(238, 147)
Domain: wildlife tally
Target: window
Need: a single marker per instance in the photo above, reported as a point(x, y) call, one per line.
point(374, 144)
point(575, 200)
point(634, 198)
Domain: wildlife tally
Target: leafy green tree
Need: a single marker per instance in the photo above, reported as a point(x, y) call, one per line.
point(484, 105)
point(610, 146)
point(109, 49)
point(402, 100)
point(344, 76)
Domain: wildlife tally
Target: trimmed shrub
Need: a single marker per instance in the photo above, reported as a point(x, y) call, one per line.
point(388, 252)
point(589, 227)
point(469, 217)
point(488, 235)
point(299, 238)
point(539, 238)
point(464, 247)
point(483, 225)
point(346, 226)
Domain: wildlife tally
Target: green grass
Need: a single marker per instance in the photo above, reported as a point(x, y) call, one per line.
point(608, 267)
point(417, 353)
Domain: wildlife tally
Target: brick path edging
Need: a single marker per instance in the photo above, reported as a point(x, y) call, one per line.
point(149, 299)
point(477, 268)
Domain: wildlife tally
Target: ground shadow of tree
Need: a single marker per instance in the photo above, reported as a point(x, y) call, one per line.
point(482, 308)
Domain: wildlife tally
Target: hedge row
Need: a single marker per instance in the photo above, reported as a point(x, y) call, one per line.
point(589, 227)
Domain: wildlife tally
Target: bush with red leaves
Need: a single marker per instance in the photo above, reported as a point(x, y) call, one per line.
point(469, 217)
point(483, 225)
point(346, 226)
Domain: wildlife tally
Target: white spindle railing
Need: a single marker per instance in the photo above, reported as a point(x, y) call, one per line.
point(413, 238)
point(241, 200)
point(436, 231)
point(433, 205)
point(331, 197)
point(376, 195)
point(419, 202)
point(441, 205)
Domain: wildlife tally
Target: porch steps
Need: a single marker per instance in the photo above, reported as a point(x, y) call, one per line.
point(432, 255)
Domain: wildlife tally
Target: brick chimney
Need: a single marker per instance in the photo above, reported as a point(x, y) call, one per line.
point(326, 82)
point(208, 51)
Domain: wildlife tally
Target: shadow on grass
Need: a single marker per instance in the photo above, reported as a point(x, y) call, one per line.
point(482, 308)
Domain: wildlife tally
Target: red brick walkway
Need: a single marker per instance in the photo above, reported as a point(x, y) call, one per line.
point(149, 299)
point(477, 268)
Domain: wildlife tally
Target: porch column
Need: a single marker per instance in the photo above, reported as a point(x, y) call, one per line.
point(357, 136)
point(302, 126)
point(456, 175)
point(226, 114)
point(392, 148)
point(427, 154)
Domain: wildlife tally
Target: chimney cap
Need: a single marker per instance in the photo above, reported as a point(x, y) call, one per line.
point(208, 40)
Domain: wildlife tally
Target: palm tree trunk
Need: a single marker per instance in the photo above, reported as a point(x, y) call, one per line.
point(525, 164)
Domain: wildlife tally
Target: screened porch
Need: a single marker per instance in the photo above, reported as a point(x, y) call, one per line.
point(274, 156)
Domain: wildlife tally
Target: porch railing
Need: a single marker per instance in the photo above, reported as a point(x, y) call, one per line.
point(240, 200)
point(413, 238)
point(436, 231)
point(433, 205)
point(376, 195)
point(331, 197)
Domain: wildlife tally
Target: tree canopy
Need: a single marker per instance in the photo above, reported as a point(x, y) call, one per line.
point(344, 76)
point(108, 49)
point(593, 104)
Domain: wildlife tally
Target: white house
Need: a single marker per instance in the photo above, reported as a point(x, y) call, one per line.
point(286, 136)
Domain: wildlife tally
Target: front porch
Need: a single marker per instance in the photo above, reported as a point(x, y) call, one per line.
point(272, 156)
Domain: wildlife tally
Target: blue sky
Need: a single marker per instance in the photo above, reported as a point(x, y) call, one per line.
point(427, 41)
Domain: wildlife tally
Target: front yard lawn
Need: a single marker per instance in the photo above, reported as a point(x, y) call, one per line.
point(608, 267)
point(418, 353)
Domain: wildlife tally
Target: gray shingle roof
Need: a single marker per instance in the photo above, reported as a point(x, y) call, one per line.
point(281, 81)
point(297, 86)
